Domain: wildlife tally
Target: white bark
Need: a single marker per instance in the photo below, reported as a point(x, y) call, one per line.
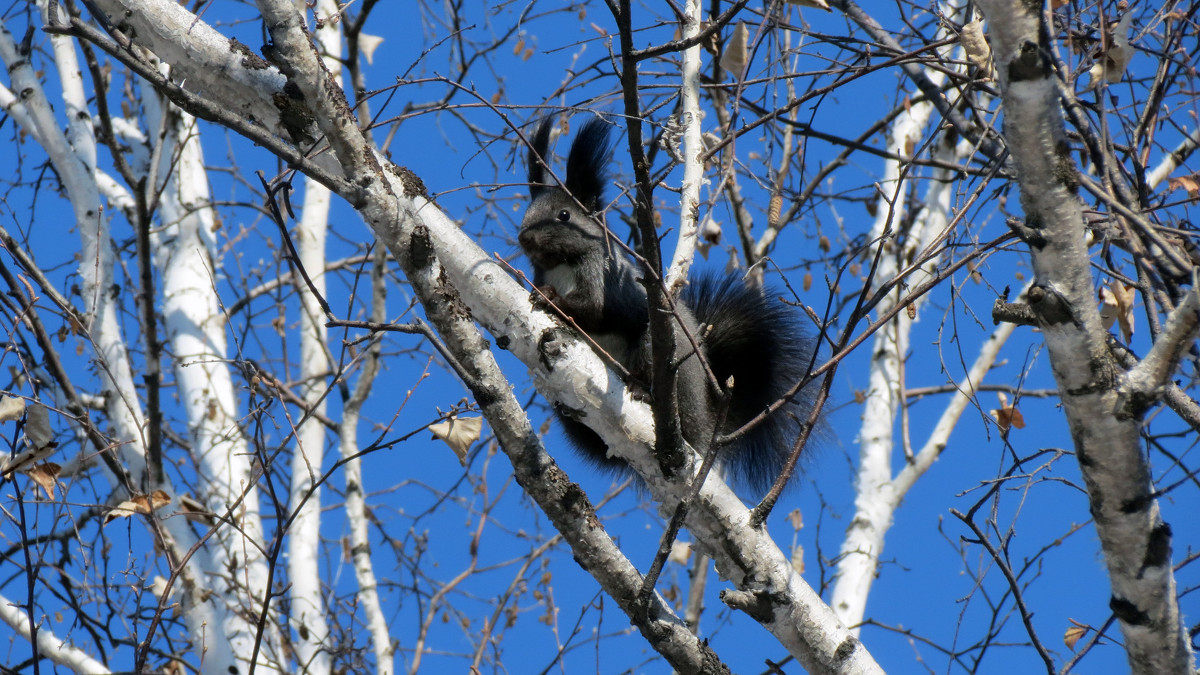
point(195, 329)
point(878, 492)
point(74, 157)
point(875, 494)
point(691, 148)
point(1173, 159)
point(304, 536)
point(50, 646)
point(356, 508)
point(75, 162)
point(1100, 401)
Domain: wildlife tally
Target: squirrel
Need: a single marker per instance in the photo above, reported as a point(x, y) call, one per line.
point(745, 335)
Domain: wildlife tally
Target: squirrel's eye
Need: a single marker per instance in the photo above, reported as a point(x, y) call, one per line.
point(564, 216)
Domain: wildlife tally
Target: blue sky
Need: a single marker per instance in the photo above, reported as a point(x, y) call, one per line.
point(931, 583)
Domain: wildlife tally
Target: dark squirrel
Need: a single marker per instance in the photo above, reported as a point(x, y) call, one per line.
point(746, 335)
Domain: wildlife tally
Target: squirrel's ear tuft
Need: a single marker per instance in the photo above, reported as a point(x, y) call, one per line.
point(587, 163)
point(539, 151)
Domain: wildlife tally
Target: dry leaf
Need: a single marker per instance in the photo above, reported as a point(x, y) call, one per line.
point(818, 4)
point(1007, 417)
point(459, 433)
point(733, 60)
point(11, 408)
point(710, 234)
point(1111, 64)
point(39, 441)
point(143, 504)
point(680, 552)
point(1191, 183)
point(367, 44)
point(194, 511)
point(45, 475)
point(979, 53)
point(159, 588)
point(710, 229)
point(37, 426)
point(796, 518)
point(1116, 305)
point(1074, 633)
point(1126, 298)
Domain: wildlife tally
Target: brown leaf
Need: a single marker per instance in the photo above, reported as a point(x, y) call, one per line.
point(367, 44)
point(1007, 417)
point(45, 475)
point(798, 559)
point(710, 234)
point(733, 60)
point(11, 408)
point(680, 552)
point(37, 426)
point(796, 518)
point(816, 4)
point(976, 47)
point(1190, 182)
point(39, 441)
point(459, 434)
point(143, 504)
point(193, 510)
point(1074, 633)
point(1116, 306)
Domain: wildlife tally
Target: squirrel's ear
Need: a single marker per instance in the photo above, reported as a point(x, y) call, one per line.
point(539, 151)
point(587, 162)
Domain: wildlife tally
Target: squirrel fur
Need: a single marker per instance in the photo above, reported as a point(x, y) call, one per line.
point(743, 332)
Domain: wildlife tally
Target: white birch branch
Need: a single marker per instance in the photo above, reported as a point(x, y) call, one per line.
point(195, 327)
point(81, 180)
point(49, 646)
point(691, 149)
point(878, 492)
point(1105, 427)
point(356, 510)
point(307, 616)
point(1174, 159)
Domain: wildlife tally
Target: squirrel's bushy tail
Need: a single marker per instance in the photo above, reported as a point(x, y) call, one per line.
point(762, 344)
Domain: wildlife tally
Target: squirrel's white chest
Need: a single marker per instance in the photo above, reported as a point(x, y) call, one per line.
point(562, 278)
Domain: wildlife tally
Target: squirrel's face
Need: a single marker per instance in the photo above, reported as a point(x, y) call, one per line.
point(556, 230)
point(562, 224)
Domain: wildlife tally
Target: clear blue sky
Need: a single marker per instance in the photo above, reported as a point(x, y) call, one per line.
point(418, 488)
